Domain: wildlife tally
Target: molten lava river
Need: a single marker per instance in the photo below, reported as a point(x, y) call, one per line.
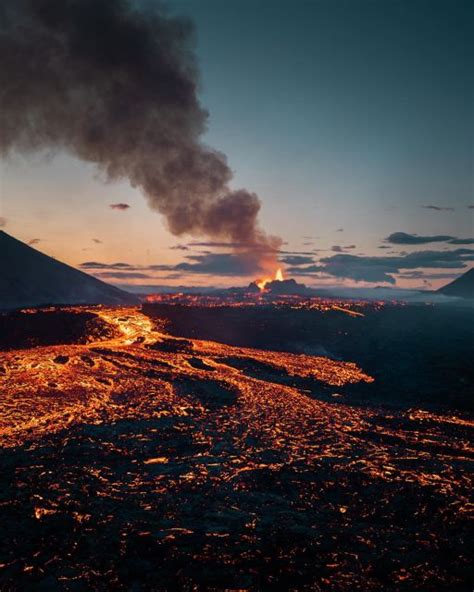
point(144, 461)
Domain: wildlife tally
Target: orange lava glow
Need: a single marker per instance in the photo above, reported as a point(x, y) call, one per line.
point(278, 278)
point(143, 457)
point(263, 298)
point(42, 393)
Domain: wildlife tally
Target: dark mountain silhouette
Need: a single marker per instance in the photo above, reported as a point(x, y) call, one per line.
point(462, 287)
point(30, 278)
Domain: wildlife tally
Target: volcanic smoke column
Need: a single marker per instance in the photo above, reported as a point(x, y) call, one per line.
point(116, 84)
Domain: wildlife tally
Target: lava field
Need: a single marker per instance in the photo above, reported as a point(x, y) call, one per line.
point(132, 459)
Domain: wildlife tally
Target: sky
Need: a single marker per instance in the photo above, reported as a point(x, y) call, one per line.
point(352, 120)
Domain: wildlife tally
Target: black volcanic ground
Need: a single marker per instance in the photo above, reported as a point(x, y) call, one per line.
point(135, 459)
point(418, 354)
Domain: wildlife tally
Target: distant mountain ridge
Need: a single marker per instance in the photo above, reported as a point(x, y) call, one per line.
point(462, 287)
point(31, 278)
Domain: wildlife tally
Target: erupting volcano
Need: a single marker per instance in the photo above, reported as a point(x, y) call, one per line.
point(278, 286)
point(205, 422)
point(262, 284)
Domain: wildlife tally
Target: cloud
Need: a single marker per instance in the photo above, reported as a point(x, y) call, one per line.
point(310, 253)
point(416, 275)
point(296, 260)
point(34, 241)
point(383, 269)
point(179, 248)
point(119, 206)
point(438, 208)
point(358, 268)
point(341, 265)
point(160, 267)
point(226, 264)
point(97, 241)
point(341, 249)
point(402, 238)
point(97, 265)
point(3, 222)
point(308, 270)
point(123, 275)
point(462, 241)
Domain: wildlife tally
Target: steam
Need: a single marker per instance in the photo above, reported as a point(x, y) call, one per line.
point(116, 84)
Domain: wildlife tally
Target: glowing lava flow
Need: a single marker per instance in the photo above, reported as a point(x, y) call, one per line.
point(189, 457)
point(50, 387)
point(263, 283)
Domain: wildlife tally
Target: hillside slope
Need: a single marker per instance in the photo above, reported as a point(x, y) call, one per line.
point(30, 278)
point(462, 287)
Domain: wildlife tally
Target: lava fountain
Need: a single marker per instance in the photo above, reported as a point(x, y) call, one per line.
point(278, 278)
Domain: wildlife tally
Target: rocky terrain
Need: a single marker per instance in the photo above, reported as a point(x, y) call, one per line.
point(138, 460)
point(418, 354)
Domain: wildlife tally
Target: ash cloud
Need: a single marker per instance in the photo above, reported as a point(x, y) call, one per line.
point(115, 84)
point(227, 245)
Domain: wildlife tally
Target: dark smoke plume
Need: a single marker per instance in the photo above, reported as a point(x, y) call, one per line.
point(116, 84)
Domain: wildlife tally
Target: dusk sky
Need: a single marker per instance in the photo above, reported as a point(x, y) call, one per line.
point(351, 120)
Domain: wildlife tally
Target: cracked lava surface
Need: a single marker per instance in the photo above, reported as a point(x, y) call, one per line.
point(148, 462)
